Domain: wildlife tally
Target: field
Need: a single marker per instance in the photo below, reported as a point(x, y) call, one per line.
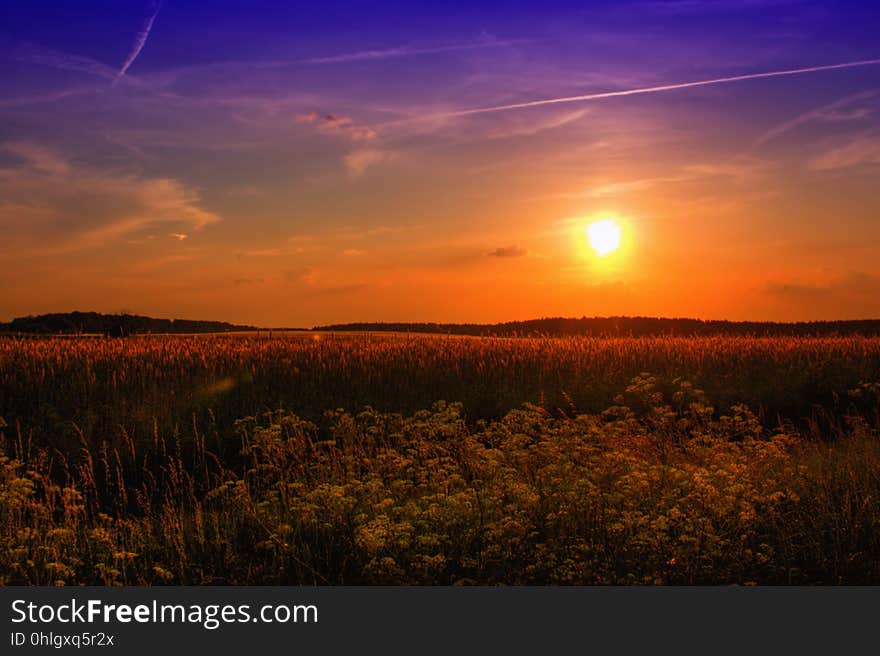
point(393, 459)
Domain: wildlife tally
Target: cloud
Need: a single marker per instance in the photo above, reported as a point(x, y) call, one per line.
point(831, 112)
point(625, 186)
point(64, 61)
point(46, 98)
point(326, 239)
point(410, 51)
point(162, 263)
point(526, 128)
point(349, 232)
point(246, 191)
point(365, 233)
point(864, 149)
point(264, 252)
point(39, 158)
point(639, 185)
point(336, 289)
point(358, 161)
point(330, 124)
point(853, 286)
point(316, 285)
point(179, 236)
point(304, 274)
point(508, 251)
point(736, 171)
point(53, 205)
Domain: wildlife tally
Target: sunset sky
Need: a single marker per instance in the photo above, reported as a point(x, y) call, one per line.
point(291, 163)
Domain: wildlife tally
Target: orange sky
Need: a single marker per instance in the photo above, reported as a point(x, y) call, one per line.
point(245, 192)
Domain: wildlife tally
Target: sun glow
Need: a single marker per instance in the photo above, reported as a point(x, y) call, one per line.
point(604, 236)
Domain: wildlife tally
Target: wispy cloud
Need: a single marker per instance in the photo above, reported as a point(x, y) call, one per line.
point(46, 98)
point(625, 186)
point(527, 128)
point(264, 252)
point(38, 158)
point(65, 61)
point(864, 149)
point(410, 51)
point(330, 124)
point(358, 161)
point(654, 89)
point(314, 283)
point(140, 42)
point(348, 232)
point(828, 112)
point(52, 205)
point(329, 240)
point(855, 284)
point(165, 79)
point(736, 171)
point(509, 251)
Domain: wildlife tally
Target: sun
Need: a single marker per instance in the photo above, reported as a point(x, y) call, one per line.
point(604, 236)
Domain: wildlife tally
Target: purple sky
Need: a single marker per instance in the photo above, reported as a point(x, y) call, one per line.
point(290, 164)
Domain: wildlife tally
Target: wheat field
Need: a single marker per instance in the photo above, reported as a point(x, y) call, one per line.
point(322, 458)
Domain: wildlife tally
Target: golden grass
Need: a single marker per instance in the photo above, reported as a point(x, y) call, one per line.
point(171, 460)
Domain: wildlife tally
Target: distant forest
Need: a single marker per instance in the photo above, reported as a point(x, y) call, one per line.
point(623, 326)
point(117, 325)
point(121, 325)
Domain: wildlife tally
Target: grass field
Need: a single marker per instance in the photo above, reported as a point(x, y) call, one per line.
point(363, 459)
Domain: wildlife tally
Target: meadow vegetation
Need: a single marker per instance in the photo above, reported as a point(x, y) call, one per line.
point(332, 460)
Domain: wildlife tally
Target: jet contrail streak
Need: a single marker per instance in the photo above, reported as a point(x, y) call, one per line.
point(657, 89)
point(139, 43)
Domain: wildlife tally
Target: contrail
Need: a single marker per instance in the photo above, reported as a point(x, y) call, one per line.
point(139, 43)
point(656, 89)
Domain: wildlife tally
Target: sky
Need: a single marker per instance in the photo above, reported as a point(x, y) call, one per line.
point(296, 164)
